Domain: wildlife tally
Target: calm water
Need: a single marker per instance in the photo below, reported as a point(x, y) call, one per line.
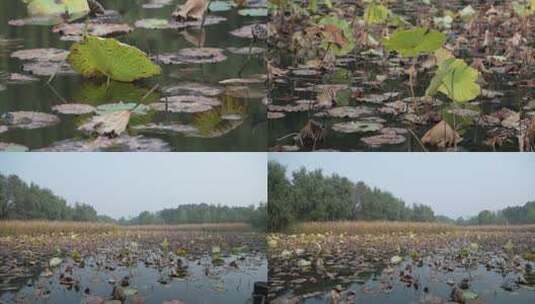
point(223, 284)
point(249, 135)
point(154, 275)
point(369, 287)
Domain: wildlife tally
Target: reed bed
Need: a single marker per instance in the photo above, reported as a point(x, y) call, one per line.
point(238, 227)
point(17, 227)
point(381, 227)
point(53, 227)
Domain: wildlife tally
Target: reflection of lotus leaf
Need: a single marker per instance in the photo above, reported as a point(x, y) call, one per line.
point(95, 93)
point(414, 42)
point(356, 127)
point(96, 56)
point(232, 107)
point(211, 124)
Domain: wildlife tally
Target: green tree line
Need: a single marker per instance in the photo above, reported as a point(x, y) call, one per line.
point(202, 213)
point(517, 215)
point(314, 196)
point(22, 201)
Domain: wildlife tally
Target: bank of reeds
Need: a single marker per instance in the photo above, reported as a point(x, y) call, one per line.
point(238, 227)
point(52, 227)
point(380, 227)
point(39, 227)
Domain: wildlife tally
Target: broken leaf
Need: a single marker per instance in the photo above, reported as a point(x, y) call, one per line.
point(441, 135)
point(111, 124)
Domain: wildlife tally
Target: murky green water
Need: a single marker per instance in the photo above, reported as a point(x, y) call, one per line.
point(249, 133)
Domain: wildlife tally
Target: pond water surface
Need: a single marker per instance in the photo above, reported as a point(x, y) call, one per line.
point(237, 124)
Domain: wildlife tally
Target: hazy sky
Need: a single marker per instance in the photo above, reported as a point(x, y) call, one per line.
point(453, 184)
point(124, 184)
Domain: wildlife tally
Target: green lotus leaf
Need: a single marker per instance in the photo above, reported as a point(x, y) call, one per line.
point(343, 97)
point(524, 10)
point(140, 109)
point(376, 13)
point(220, 6)
point(254, 12)
point(414, 42)
point(347, 32)
point(95, 56)
point(57, 7)
point(455, 79)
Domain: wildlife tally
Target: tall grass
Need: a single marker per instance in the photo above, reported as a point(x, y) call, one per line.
point(40, 227)
point(52, 227)
point(238, 227)
point(397, 227)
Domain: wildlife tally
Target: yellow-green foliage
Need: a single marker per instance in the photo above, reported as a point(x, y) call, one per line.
point(95, 56)
point(57, 7)
point(51, 227)
point(380, 227)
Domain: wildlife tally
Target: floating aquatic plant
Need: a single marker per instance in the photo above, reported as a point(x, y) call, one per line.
point(455, 79)
point(415, 41)
point(95, 56)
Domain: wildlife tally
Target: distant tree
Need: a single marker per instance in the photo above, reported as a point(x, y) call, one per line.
point(314, 196)
point(422, 213)
point(280, 210)
point(18, 200)
point(486, 217)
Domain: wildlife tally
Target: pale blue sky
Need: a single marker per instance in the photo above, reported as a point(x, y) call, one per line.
point(453, 184)
point(118, 184)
